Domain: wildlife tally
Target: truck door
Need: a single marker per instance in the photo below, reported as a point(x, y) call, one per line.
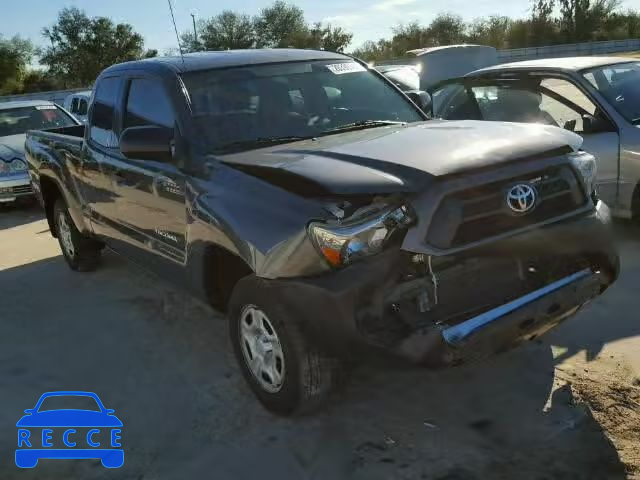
point(150, 193)
point(101, 143)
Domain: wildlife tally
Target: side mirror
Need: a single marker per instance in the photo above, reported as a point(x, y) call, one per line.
point(595, 124)
point(422, 99)
point(29, 410)
point(147, 143)
point(109, 411)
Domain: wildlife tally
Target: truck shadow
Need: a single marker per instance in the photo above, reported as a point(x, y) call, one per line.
point(162, 361)
point(612, 317)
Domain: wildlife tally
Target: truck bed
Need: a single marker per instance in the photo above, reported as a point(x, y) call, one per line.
point(67, 138)
point(72, 135)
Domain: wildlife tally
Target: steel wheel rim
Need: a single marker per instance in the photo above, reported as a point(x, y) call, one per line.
point(261, 349)
point(64, 233)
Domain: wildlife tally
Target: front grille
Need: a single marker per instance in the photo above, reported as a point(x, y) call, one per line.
point(473, 214)
point(19, 190)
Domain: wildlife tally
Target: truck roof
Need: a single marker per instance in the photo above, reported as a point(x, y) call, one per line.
point(228, 58)
point(24, 103)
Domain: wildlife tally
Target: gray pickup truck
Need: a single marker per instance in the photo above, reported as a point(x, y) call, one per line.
point(309, 198)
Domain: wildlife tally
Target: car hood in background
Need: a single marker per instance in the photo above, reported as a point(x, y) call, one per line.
point(399, 158)
point(12, 146)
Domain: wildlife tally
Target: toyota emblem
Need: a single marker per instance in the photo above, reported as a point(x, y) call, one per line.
point(521, 198)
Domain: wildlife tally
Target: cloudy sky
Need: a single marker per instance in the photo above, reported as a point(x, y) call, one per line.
point(367, 20)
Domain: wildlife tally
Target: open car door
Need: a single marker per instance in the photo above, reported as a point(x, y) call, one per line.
point(541, 98)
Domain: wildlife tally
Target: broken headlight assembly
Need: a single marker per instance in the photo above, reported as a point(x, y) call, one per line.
point(345, 242)
point(14, 166)
point(585, 165)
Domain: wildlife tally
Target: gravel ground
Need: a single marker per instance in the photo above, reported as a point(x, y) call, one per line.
point(567, 407)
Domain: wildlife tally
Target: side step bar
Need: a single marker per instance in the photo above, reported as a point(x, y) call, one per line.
point(459, 333)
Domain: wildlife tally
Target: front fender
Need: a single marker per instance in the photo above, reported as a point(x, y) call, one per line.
point(261, 223)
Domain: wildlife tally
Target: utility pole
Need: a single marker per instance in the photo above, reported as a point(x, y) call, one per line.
point(195, 32)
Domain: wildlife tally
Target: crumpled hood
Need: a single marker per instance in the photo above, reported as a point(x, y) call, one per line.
point(399, 158)
point(12, 146)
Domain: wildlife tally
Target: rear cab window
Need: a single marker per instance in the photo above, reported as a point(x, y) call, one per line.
point(101, 125)
point(148, 104)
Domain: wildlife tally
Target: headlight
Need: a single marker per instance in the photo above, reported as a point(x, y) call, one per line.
point(585, 164)
point(14, 166)
point(343, 243)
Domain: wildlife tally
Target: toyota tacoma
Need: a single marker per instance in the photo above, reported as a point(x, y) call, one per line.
point(309, 198)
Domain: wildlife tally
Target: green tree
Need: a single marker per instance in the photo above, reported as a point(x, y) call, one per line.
point(321, 37)
point(228, 30)
point(518, 34)
point(40, 81)
point(410, 37)
point(334, 39)
point(279, 24)
point(15, 56)
point(584, 20)
point(374, 51)
point(491, 31)
point(81, 47)
point(543, 27)
point(447, 29)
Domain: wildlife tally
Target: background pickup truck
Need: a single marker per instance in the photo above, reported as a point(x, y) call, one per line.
point(307, 196)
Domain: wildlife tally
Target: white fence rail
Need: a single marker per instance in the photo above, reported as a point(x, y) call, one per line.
point(56, 96)
point(569, 50)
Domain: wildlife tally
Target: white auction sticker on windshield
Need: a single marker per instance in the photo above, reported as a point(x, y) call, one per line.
point(45, 107)
point(349, 67)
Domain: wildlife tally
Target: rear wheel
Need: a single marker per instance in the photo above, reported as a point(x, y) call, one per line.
point(81, 253)
point(284, 371)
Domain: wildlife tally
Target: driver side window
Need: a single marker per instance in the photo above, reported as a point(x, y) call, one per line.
point(455, 102)
point(565, 103)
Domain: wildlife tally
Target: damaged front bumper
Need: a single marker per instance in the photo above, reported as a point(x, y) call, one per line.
point(466, 306)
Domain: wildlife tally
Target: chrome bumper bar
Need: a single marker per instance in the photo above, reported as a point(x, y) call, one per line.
point(461, 332)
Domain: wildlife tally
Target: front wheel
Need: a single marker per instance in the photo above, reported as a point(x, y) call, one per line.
point(81, 253)
point(286, 373)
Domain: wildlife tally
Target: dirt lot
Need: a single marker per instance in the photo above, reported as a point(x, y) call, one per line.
point(565, 408)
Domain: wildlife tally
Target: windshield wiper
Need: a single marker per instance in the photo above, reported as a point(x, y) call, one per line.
point(257, 143)
point(361, 125)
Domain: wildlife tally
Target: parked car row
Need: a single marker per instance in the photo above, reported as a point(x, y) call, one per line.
point(304, 194)
point(15, 119)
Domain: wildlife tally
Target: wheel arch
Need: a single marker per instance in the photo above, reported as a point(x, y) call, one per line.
point(50, 193)
point(222, 270)
point(51, 189)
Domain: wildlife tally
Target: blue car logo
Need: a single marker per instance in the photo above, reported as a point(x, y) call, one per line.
point(87, 431)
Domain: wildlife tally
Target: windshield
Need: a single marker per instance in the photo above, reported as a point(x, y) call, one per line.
point(620, 85)
point(67, 402)
point(238, 106)
point(14, 121)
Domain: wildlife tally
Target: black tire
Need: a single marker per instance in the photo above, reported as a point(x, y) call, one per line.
point(85, 253)
point(309, 375)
